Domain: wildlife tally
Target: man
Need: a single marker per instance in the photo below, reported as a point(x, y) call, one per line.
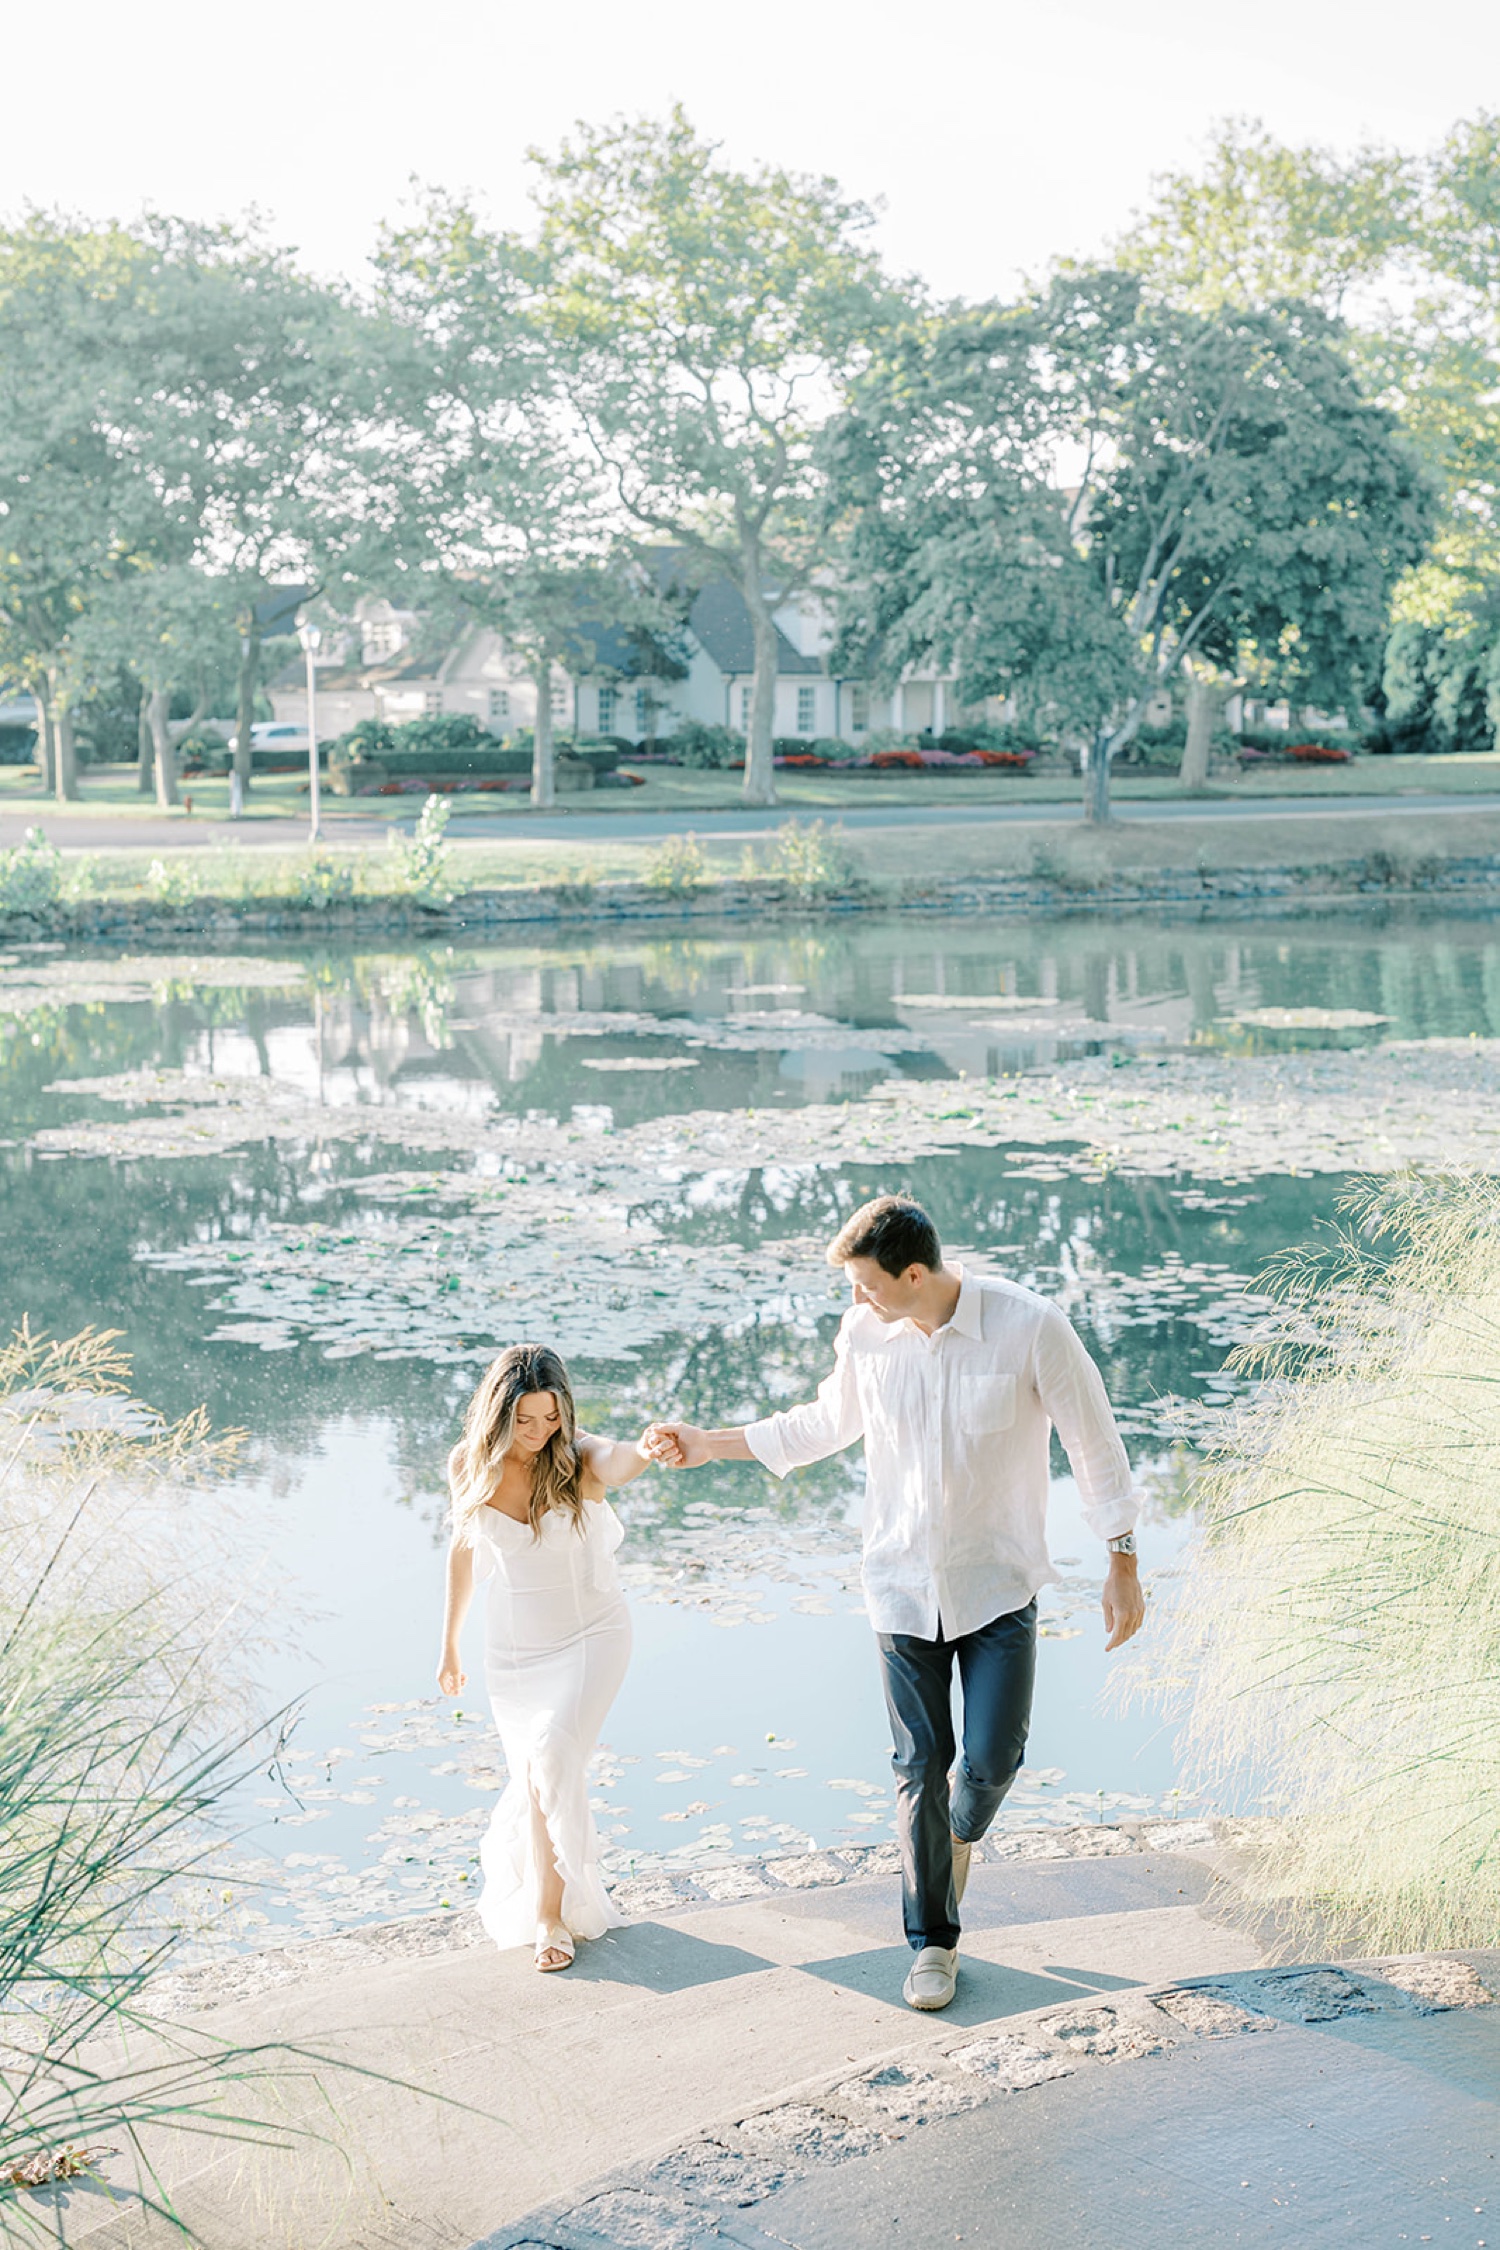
point(954, 1383)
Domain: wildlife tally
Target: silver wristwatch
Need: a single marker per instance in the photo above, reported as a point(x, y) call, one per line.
point(1124, 1545)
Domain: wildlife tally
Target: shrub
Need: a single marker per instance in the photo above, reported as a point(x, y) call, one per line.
point(30, 875)
point(696, 743)
point(323, 881)
point(422, 857)
point(367, 738)
point(1339, 1617)
point(171, 882)
point(811, 857)
point(677, 864)
point(17, 745)
point(444, 731)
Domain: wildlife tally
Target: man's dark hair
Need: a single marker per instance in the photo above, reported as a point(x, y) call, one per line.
point(894, 1231)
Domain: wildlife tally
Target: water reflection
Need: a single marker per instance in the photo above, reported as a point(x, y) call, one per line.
point(755, 1681)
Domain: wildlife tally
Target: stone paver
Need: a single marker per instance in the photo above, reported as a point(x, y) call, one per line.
point(695, 2014)
point(1371, 2118)
point(1119, 2066)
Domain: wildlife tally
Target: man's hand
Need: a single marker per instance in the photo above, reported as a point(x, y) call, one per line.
point(676, 1445)
point(1124, 1601)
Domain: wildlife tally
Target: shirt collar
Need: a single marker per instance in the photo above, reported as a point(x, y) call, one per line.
point(968, 1313)
point(967, 1316)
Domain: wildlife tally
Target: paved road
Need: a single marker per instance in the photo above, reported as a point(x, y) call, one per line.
point(85, 831)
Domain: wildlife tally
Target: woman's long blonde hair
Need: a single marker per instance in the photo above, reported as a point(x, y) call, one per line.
point(489, 1426)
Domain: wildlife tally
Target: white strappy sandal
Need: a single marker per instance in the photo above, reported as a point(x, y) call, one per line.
point(553, 1937)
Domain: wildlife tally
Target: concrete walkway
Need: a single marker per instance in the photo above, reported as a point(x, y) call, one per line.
point(746, 2072)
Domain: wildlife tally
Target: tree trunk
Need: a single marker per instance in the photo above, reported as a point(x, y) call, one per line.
point(145, 771)
point(1096, 778)
point(163, 747)
point(760, 756)
point(64, 756)
point(1203, 700)
point(543, 765)
point(245, 710)
point(43, 700)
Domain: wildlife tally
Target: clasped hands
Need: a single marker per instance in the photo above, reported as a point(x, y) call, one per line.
point(673, 1445)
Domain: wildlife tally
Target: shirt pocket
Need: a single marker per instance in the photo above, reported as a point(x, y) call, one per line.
point(987, 1403)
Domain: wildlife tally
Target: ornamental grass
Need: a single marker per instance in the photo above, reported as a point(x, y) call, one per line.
point(1334, 1650)
point(128, 1647)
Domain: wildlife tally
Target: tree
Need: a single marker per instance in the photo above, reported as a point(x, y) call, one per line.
point(176, 629)
point(258, 388)
point(1402, 247)
point(486, 486)
point(76, 509)
point(707, 320)
point(1238, 504)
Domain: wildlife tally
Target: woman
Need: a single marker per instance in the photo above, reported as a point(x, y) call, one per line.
point(530, 1517)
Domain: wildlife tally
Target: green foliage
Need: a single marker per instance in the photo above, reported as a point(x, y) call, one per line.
point(694, 742)
point(366, 739)
point(125, 1632)
point(31, 874)
point(172, 882)
point(323, 881)
point(445, 732)
point(676, 865)
point(17, 745)
point(422, 858)
point(1244, 506)
point(704, 317)
point(812, 858)
point(1402, 247)
point(1339, 1618)
point(1442, 684)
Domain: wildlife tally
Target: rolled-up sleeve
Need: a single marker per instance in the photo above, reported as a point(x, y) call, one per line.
point(826, 1424)
point(1072, 1392)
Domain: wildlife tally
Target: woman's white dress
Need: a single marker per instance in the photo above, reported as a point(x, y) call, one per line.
point(557, 1642)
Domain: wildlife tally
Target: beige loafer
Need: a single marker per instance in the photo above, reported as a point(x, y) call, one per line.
point(962, 1854)
point(931, 1978)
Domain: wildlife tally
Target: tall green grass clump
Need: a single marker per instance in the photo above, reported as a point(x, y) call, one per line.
point(1337, 1636)
point(128, 1649)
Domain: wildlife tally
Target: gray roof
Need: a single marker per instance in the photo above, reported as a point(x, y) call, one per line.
point(720, 621)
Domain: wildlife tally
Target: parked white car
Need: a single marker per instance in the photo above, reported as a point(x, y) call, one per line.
point(274, 734)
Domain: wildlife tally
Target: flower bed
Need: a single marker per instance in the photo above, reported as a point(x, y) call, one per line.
point(950, 761)
point(419, 785)
point(1294, 753)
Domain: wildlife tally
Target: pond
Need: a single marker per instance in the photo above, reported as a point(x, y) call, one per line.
point(318, 1189)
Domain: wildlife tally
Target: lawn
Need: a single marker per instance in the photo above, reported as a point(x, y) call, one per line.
point(112, 790)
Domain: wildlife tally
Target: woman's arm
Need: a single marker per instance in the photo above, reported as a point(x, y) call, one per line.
point(451, 1677)
point(612, 1461)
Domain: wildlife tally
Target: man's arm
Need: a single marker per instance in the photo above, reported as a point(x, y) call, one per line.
point(682, 1445)
point(1072, 1391)
point(780, 1442)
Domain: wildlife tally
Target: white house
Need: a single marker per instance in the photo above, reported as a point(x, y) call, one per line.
point(379, 670)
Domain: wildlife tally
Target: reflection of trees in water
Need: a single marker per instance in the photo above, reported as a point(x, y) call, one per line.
point(1067, 1238)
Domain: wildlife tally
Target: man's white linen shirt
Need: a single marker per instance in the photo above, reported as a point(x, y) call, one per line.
point(957, 1429)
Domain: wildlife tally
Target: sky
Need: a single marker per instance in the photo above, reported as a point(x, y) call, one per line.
point(995, 135)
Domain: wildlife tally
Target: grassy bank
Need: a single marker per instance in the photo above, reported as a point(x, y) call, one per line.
point(112, 791)
point(420, 878)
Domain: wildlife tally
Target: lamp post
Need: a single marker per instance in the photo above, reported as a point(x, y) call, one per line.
point(311, 640)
